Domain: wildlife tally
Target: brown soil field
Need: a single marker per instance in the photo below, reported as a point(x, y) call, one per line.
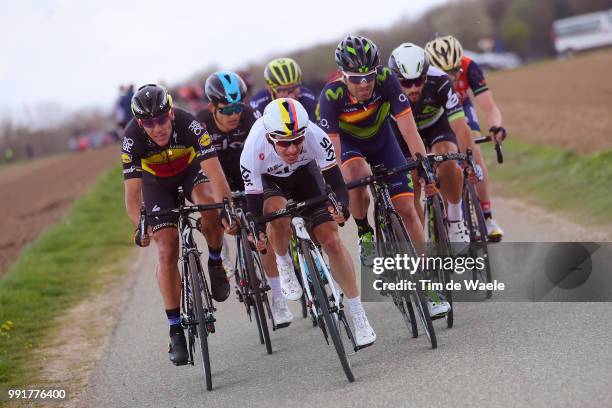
point(566, 103)
point(36, 194)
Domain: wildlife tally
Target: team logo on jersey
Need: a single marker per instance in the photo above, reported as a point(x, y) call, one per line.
point(453, 99)
point(205, 140)
point(327, 145)
point(246, 175)
point(261, 156)
point(127, 144)
point(126, 158)
point(196, 127)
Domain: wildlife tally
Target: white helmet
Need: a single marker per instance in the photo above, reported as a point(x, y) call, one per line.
point(409, 61)
point(285, 119)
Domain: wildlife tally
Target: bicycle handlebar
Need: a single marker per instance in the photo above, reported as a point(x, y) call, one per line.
point(498, 147)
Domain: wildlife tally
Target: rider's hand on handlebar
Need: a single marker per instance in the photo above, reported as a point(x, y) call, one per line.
point(429, 189)
point(141, 241)
point(262, 242)
point(337, 216)
point(475, 175)
point(230, 229)
point(497, 133)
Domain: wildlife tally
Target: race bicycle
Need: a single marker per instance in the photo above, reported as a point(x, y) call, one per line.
point(197, 308)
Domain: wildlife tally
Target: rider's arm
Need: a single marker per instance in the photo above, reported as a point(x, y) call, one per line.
point(408, 129)
point(486, 102)
point(483, 95)
point(212, 168)
point(463, 132)
point(335, 139)
point(133, 198)
point(333, 177)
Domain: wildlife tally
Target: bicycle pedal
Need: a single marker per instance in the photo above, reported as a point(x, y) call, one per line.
point(282, 325)
point(357, 348)
point(436, 317)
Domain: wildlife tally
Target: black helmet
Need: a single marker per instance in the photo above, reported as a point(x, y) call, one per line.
point(357, 54)
point(151, 100)
point(226, 87)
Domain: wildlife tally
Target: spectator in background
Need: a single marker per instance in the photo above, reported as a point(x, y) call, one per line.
point(123, 110)
point(9, 154)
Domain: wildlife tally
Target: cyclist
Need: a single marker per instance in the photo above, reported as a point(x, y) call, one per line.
point(284, 80)
point(441, 121)
point(353, 111)
point(446, 53)
point(228, 120)
point(164, 148)
point(287, 155)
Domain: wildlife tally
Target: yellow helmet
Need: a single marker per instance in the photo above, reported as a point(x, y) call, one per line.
point(282, 72)
point(445, 52)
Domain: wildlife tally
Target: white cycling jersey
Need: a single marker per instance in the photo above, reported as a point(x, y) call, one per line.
point(259, 157)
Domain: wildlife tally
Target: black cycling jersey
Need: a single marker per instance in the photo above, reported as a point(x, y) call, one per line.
point(189, 143)
point(307, 98)
point(228, 145)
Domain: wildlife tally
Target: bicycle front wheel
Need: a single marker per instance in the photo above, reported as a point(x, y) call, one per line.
point(255, 289)
point(323, 303)
point(197, 291)
point(443, 249)
point(417, 296)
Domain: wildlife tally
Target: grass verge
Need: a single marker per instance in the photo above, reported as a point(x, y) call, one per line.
point(557, 179)
point(58, 270)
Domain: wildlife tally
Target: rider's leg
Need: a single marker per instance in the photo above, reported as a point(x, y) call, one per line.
point(340, 260)
point(451, 179)
point(201, 193)
point(168, 277)
point(356, 168)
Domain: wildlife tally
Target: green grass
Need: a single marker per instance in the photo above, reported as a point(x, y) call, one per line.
point(580, 185)
point(63, 266)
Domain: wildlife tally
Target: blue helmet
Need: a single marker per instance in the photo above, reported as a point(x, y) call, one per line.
point(226, 87)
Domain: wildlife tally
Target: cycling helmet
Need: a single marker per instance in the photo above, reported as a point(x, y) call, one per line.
point(150, 101)
point(285, 119)
point(445, 52)
point(225, 86)
point(282, 72)
point(409, 61)
point(357, 54)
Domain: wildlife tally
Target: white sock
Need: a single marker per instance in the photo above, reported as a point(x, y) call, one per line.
point(354, 305)
point(284, 260)
point(454, 211)
point(275, 286)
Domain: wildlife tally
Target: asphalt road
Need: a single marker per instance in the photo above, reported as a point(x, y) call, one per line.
point(497, 354)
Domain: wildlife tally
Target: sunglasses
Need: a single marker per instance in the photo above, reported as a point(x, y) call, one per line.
point(286, 143)
point(409, 83)
point(231, 109)
point(286, 89)
point(359, 78)
point(159, 121)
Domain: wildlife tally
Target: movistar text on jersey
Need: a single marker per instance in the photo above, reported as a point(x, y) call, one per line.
point(412, 264)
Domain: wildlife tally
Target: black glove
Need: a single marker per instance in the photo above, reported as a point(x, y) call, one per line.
point(498, 129)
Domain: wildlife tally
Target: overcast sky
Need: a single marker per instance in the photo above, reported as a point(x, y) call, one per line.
point(76, 53)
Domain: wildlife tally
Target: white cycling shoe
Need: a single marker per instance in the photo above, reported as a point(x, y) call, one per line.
point(364, 334)
point(458, 235)
point(280, 312)
point(290, 287)
point(494, 232)
point(438, 308)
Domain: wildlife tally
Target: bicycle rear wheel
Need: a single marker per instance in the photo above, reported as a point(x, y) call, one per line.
point(197, 291)
point(443, 249)
point(322, 300)
point(477, 228)
point(255, 288)
point(417, 296)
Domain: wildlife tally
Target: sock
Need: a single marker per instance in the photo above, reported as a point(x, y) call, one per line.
point(454, 211)
point(363, 227)
point(284, 260)
point(354, 305)
point(214, 254)
point(174, 320)
point(486, 209)
point(275, 286)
